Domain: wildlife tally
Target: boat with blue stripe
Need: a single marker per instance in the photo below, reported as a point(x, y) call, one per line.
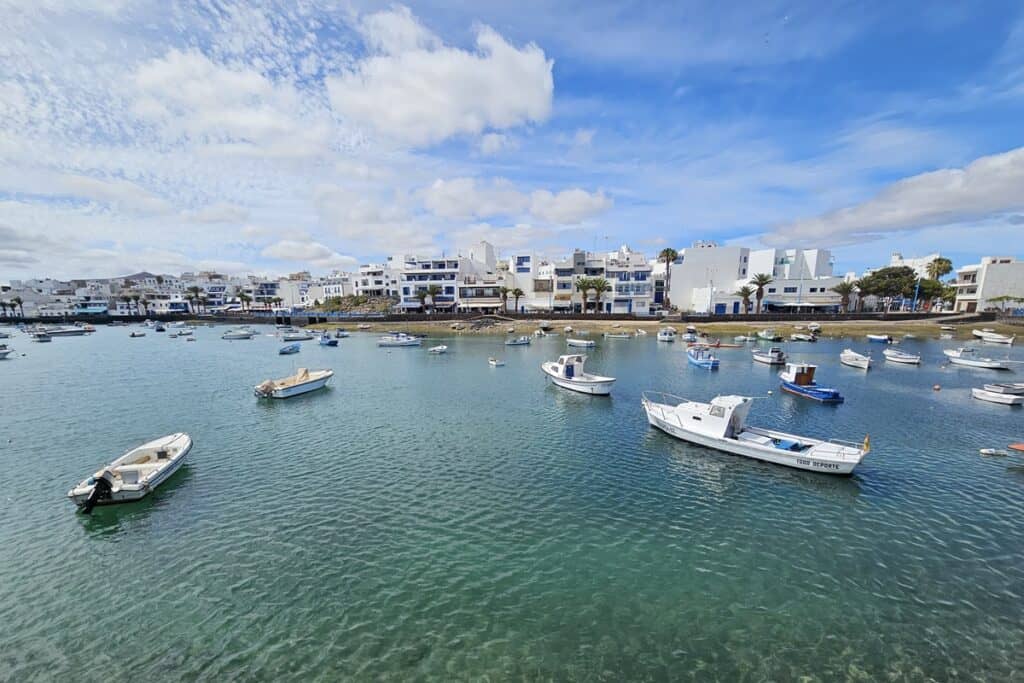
point(702, 357)
point(798, 379)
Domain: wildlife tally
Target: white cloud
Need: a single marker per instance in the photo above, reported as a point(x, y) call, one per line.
point(492, 143)
point(313, 253)
point(583, 137)
point(464, 198)
point(370, 223)
point(519, 236)
point(221, 212)
point(986, 187)
point(121, 193)
point(415, 89)
point(568, 206)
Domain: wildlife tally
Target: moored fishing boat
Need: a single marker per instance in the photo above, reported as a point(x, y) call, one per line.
point(721, 425)
point(327, 340)
point(768, 334)
point(341, 334)
point(991, 337)
point(901, 357)
point(290, 349)
point(880, 338)
point(134, 474)
point(4, 351)
point(40, 337)
point(854, 359)
point(295, 335)
point(996, 397)
point(798, 379)
point(581, 343)
point(773, 356)
point(965, 357)
point(438, 349)
point(1016, 388)
point(302, 382)
point(801, 337)
point(568, 372)
point(666, 334)
point(518, 341)
point(701, 357)
point(238, 333)
point(495, 362)
point(398, 339)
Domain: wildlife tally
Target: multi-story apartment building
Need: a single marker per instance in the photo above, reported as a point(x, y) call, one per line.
point(630, 275)
point(533, 275)
point(376, 279)
point(982, 286)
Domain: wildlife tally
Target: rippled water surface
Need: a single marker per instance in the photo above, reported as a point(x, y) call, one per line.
point(432, 517)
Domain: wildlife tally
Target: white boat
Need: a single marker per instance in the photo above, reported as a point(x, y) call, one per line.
point(294, 335)
point(945, 336)
point(238, 333)
point(363, 326)
point(185, 331)
point(721, 424)
point(301, 382)
point(1015, 388)
point(136, 333)
point(518, 341)
point(995, 397)
point(948, 328)
point(768, 334)
point(341, 334)
point(544, 325)
point(4, 351)
point(993, 337)
point(40, 337)
point(814, 328)
point(641, 332)
point(134, 474)
point(567, 329)
point(990, 452)
point(582, 343)
point(854, 359)
point(901, 357)
point(617, 335)
point(495, 362)
point(773, 356)
point(438, 349)
point(568, 372)
point(744, 338)
point(666, 334)
point(800, 336)
point(398, 339)
point(880, 338)
point(70, 331)
point(963, 356)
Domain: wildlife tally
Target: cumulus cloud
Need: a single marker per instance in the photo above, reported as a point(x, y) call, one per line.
point(568, 206)
point(221, 212)
point(310, 252)
point(415, 89)
point(519, 236)
point(492, 143)
point(370, 223)
point(988, 186)
point(121, 193)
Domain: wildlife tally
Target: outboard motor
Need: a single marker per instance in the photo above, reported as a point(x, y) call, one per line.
point(101, 490)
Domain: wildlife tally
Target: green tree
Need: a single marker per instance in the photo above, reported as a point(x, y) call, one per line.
point(203, 301)
point(845, 290)
point(583, 286)
point(244, 299)
point(948, 294)
point(145, 305)
point(890, 282)
point(939, 268)
point(927, 291)
point(517, 294)
point(760, 281)
point(744, 293)
point(600, 286)
point(668, 255)
point(16, 301)
point(421, 294)
point(3, 307)
point(503, 292)
point(433, 291)
point(135, 300)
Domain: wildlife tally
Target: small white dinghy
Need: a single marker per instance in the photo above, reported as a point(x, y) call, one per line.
point(1015, 388)
point(993, 452)
point(568, 373)
point(302, 382)
point(583, 343)
point(854, 359)
point(902, 357)
point(773, 356)
point(666, 334)
point(991, 337)
point(995, 397)
point(134, 474)
point(495, 362)
point(438, 349)
point(965, 357)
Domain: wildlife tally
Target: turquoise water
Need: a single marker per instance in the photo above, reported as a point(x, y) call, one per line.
point(434, 518)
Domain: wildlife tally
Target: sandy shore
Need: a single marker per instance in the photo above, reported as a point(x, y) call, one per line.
point(921, 328)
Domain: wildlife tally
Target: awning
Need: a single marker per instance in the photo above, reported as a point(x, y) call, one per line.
point(481, 304)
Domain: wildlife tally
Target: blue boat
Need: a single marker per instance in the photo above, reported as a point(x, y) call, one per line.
point(701, 357)
point(325, 340)
point(291, 348)
point(798, 379)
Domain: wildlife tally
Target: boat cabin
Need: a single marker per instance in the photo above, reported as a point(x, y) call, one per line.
point(571, 365)
point(801, 374)
point(723, 418)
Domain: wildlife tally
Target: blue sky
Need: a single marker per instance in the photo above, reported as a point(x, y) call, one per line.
point(269, 137)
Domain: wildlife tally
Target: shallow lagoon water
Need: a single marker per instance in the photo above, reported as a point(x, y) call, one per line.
point(435, 518)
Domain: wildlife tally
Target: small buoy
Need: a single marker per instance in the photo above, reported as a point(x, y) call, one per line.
point(936, 388)
point(769, 392)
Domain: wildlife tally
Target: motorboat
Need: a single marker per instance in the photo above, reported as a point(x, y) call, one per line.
point(666, 334)
point(69, 331)
point(438, 349)
point(721, 425)
point(617, 335)
point(773, 356)
point(495, 362)
point(963, 356)
point(185, 331)
point(302, 382)
point(814, 328)
point(133, 475)
point(40, 337)
point(567, 329)
point(568, 372)
point(744, 338)
point(701, 357)
point(159, 327)
point(640, 332)
point(945, 336)
point(136, 333)
point(948, 328)
point(238, 333)
point(902, 357)
point(854, 359)
point(880, 338)
point(540, 333)
point(1015, 388)
point(801, 337)
point(327, 340)
point(341, 334)
point(689, 337)
point(582, 343)
point(798, 379)
point(544, 325)
point(399, 339)
point(296, 335)
point(768, 334)
point(290, 349)
point(991, 337)
point(691, 329)
point(995, 397)
point(518, 341)
point(363, 326)
point(4, 351)
point(993, 452)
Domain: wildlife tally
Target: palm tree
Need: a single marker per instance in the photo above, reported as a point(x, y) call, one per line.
point(195, 291)
point(600, 286)
point(939, 268)
point(433, 291)
point(583, 286)
point(759, 281)
point(135, 300)
point(862, 291)
point(203, 301)
point(145, 305)
point(503, 293)
point(243, 299)
point(517, 294)
point(745, 293)
point(845, 290)
point(421, 294)
point(16, 301)
point(669, 256)
point(278, 301)
point(191, 299)
point(3, 307)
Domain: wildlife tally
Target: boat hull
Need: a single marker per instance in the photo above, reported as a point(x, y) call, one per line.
point(299, 389)
point(980, 364)
point(994, 397)
point(820, 394)
point(906, 360)
point(79, 495)
point(800, 461)
point(767, 360)
point(598, 388)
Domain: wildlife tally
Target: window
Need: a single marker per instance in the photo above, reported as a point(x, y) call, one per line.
point(449, 290)
point(771, 290)
point(641, 275)
point(405, 290)
point(789, 290)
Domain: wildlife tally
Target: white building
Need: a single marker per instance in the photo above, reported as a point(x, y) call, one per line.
point(918, 264)
point(378, 280)
point(533, 275)
point(630, 275)
point(977, 285)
